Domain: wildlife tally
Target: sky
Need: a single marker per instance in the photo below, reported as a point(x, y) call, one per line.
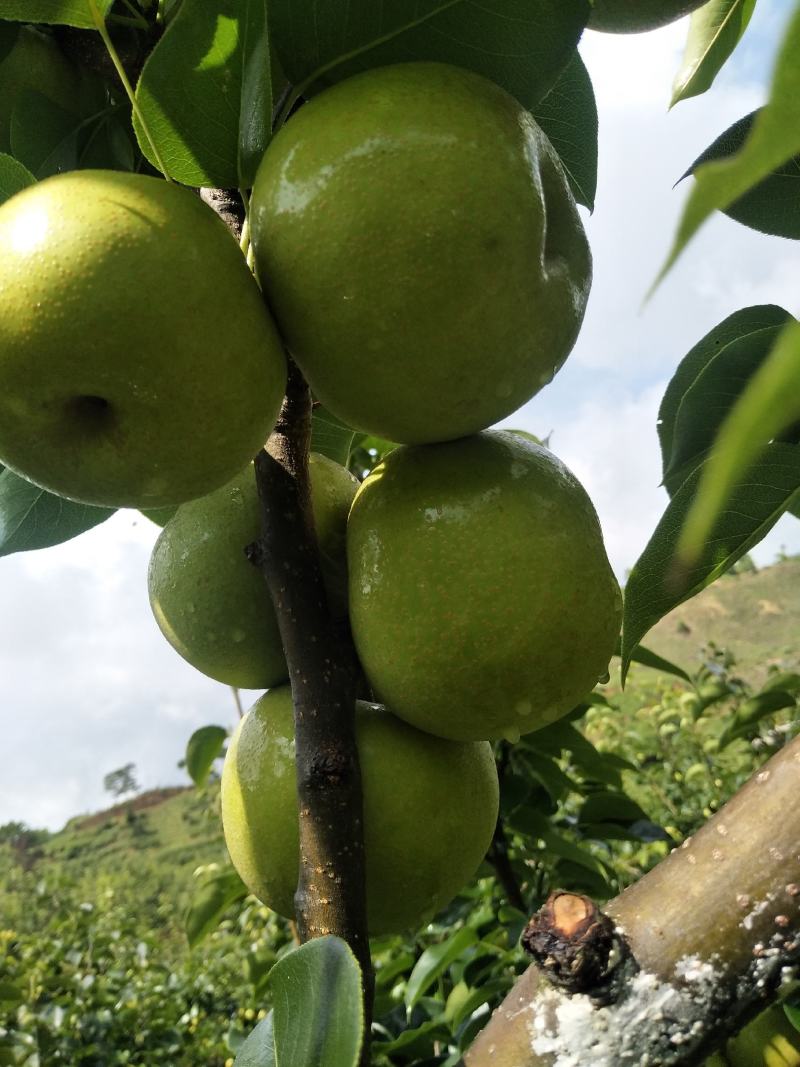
point(88, 682)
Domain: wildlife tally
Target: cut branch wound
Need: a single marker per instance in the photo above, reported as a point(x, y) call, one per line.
point(331, 897)
point(576, 946)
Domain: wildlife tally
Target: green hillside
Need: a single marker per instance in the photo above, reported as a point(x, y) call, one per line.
point(177, 828)
point(756, 615)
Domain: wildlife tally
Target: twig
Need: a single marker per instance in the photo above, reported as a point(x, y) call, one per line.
point(331, 896)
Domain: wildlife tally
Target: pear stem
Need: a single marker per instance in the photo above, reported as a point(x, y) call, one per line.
point(331, 893)
point(126, 84)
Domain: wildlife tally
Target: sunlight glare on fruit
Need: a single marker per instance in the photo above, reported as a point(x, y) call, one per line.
point(28, 233)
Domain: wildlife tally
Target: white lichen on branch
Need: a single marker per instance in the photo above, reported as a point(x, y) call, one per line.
point(653, 1018)
point(656, 1023)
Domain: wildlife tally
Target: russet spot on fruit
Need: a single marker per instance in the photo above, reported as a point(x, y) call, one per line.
point(139, 366)
point(421, 251)
point(430, 808)
point(212, 603)
point(482, 602)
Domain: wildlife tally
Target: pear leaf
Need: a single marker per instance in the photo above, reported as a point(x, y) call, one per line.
point(774, 139)
point(714, 31)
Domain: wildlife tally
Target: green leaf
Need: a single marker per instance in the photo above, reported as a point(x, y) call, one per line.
point(568, 115)
point(204, 746)
point(656, 585)
point(774, 139)
point(769, 404)
point(32, 518)
point(714, 31)
point(385, 975)
point(773, 205)
point(522, 45)
point(10, 994)
point(259, 1048)
point(44, 135)
point(546, 771)
point(605, 806)
point(62, 12)
point(752, 711)
point(330, 436)
point(646, 658)
point(495, 987)
point(714, 392)
point(535, 825)
point(792, 1010)
point(317, 1005)
point(595, 765)
point(205, 94)
point(14, 177)
point(434, 961)
point(787, 681)
point(415, 1042)
point(742, 326)
point(210, 903)
point(255, 98)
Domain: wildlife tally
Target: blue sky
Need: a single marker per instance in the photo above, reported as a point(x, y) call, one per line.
point(89, 683)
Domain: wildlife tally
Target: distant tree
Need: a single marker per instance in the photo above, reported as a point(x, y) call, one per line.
point(122, 781)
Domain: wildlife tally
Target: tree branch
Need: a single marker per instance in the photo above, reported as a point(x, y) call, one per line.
point(713, 931)
point(331, 896)
point(228, 205)
point(499, 859)
point(498, 850)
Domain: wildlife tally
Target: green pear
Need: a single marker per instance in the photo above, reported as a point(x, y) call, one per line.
point(482, 602)
point(430, 808)
point(212, 603)
point(637, 16)
point(421, 251)
point(139, 366)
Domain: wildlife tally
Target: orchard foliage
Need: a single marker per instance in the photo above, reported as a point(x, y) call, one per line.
point(194, 93)
point(87, 959)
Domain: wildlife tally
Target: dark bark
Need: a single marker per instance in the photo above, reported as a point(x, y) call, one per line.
point(331, 896)
point(228, 205)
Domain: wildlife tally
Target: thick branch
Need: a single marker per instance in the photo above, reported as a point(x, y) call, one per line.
point(713, 931)
point(331, 897)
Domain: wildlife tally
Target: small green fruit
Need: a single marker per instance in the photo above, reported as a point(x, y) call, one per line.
point(138, 364)
point(637, 16)
point(421, 251)
point(481, 599)
point(430, 808)
point(212, 603)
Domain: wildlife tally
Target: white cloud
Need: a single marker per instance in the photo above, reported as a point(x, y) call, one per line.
point(89, 683)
